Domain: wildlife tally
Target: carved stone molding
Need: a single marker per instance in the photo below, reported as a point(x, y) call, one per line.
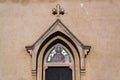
point(57, 33)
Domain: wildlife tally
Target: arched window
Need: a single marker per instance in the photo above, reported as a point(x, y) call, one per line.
point(58, 54)
point(58, 61)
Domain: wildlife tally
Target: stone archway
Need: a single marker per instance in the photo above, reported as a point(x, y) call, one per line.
point(58, 33)
point(75, 61)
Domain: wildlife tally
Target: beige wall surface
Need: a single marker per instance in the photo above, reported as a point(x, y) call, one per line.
point(95, 23)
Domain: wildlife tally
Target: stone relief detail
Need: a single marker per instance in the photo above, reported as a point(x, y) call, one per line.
point(58, 10)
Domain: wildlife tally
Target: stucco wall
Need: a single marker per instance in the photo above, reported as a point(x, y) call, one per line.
point(95, 23)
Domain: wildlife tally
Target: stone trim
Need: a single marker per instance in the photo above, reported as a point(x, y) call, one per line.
point(60, 31)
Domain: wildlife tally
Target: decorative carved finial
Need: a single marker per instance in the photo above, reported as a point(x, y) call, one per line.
point(58, 11)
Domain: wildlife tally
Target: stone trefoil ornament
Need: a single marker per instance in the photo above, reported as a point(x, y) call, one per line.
point(58, 10)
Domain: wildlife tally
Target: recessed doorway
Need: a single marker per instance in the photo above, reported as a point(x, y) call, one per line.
point(58, 73)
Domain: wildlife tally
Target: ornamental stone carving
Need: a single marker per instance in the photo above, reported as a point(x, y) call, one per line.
point(58, 34)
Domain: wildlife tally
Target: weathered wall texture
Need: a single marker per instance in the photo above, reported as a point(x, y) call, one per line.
point(95, 23)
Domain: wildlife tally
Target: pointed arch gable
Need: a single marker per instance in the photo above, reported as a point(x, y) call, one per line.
point(52, 30)
point(59, 31)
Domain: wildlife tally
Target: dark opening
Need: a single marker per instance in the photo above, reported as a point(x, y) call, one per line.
point(58, 73)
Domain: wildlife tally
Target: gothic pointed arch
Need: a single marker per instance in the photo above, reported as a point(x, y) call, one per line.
point(58, 34)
